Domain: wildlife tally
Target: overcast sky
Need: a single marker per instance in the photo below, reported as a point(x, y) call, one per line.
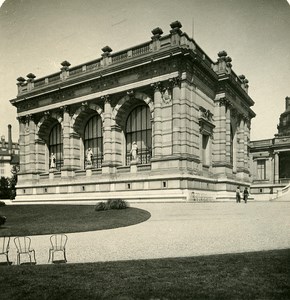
point(37, 35)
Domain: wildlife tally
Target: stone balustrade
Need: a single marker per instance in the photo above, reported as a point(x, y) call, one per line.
point(176, 38)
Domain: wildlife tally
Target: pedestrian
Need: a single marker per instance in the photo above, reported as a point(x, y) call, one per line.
point(246, 194)
point(238, 195)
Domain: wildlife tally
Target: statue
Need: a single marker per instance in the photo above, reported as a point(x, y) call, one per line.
point(134, 151)
point(89, 156)
point(52, 161)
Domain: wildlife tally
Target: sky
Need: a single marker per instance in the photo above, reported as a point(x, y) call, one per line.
point(37, 35)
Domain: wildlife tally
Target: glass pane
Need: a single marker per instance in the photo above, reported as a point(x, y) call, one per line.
point(93, 139)
point(138, 128)
point(56, 145)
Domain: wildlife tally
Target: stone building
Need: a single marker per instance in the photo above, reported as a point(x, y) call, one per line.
point(271, 159)
point(9, 155)
point(189, 117)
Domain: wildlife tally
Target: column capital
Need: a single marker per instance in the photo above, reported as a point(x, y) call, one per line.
point(65, 108)
point(21, 119)
point(175, 81)
point(156, 86)
point(224, 102)
point(106, 99)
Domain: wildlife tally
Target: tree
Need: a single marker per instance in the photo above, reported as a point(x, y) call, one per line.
point(12, 186)
point(5, 192)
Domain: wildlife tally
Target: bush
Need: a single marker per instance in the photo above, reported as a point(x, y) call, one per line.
point(111, 204)
point(2, 203)
point(117, 204)
point(101, 206)
point(2, 220)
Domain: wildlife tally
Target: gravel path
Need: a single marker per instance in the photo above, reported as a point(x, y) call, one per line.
point(178, 230)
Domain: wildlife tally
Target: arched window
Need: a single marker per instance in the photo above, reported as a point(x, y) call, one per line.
point(138, 129)
point(56, 145)
point(93, 138)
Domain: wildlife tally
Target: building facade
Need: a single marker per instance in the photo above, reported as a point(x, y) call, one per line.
point(271, 159)
point(9, 155)
point(159, 121)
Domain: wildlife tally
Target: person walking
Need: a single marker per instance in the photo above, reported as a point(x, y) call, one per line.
point(238, 195)
point(246, 194)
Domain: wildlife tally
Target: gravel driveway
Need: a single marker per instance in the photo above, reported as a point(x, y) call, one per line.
point(178, 230)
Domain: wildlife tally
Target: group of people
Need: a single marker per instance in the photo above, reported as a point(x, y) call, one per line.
point(240, 194)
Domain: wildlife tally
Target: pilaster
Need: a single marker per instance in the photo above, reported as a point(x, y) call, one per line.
point(21, 121)
point(157, 130)
point(276, 168)
point(222, 133)
point(177, 128)
point(66, 139)
point(107, 166)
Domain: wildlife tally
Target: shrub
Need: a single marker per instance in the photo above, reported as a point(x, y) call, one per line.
point(101, 206)
point(117, 204)
point(111, 204)
point(2, 203)
point(2, 220)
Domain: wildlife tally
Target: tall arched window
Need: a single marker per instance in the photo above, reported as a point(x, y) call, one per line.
point(138, 129)
point(93, 138)
point(56, 145)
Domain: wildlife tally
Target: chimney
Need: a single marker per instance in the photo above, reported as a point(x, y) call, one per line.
point(9, 139)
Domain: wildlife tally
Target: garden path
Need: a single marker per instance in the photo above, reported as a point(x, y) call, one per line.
point(179, 230)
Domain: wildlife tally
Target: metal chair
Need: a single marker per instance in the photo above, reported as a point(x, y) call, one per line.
point(4, 247)
point(23, 244)
point(58, 243)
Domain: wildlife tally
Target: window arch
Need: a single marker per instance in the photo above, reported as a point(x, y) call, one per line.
point(93, 138)
point(56, 145)
point(139, 130)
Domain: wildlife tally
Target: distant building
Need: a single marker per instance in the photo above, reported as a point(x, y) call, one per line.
point(9, 154)
point(271, 159)
point(158, 121)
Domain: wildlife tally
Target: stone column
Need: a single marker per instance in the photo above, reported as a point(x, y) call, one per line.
point(228, 139)
point(75, 155)
point(66, 141)
point(157, 130)
point(177, 128)
point(276, 168)
point(240, 145)
point(107, 166)
point(117, 144)
point(21, 121)
point(247, 139)
point(31, 144)
point(221, 145)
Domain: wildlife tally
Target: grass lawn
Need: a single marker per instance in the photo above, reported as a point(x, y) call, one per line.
point(256, 275)
point(49, 219)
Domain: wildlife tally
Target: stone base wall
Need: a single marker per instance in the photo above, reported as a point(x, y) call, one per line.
point(128, 184)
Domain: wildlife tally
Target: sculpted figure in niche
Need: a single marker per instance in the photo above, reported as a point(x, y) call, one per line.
point(134, 151)
point(89, 156)
point(52, 161)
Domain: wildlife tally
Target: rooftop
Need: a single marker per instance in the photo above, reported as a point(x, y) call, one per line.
point(171, 43)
